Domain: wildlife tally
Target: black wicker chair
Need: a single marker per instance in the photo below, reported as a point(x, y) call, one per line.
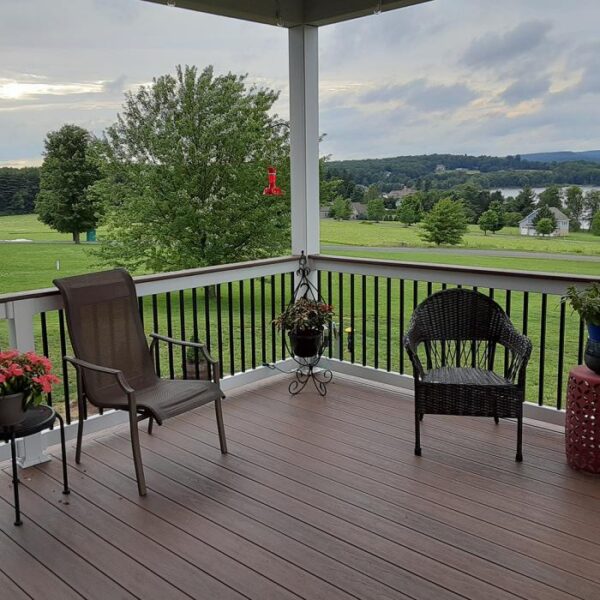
point(455, 333)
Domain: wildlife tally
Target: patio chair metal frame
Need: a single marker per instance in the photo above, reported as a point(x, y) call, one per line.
point(130, 401)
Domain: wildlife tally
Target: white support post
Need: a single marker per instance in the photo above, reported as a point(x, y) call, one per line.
point(30, 450)
point(304, 138)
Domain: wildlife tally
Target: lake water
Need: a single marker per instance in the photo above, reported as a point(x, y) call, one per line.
point(507, 192)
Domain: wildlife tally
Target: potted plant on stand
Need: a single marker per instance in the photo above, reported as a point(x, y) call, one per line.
point(305, 320)
point(586, 302)
point(24, 378)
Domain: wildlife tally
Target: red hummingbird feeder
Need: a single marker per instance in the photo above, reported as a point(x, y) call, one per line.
point(272, 189)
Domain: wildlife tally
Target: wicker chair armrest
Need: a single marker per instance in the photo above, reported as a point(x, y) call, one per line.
point(172, 341)
point(116, 373)
point(411, 348)
point(520, 346)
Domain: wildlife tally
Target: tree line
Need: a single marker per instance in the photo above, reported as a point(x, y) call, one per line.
point(445, 171)
point(18, 190)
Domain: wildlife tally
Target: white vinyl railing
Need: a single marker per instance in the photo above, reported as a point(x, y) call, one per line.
point(234, 305)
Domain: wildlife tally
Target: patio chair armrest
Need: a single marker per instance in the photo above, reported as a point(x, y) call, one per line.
point(411, 349)
point(156, 337)
point(520, 347)
point(119, 375)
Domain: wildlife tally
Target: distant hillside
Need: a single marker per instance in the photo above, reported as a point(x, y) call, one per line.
point(549, 157)
point(444, 171)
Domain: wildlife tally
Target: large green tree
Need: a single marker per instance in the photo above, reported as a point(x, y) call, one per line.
point(595, 224)
point(592, 203)
point(575, 205)
point(410, 210)
point(341, 209)
point(544, 213)
point(523, 202)
point(551, 196)
point(445, 223)
point(491, 220)
point(68, 171)
point(375, 209)
point(185, 167)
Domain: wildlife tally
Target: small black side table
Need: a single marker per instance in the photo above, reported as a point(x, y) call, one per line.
point(38, 418)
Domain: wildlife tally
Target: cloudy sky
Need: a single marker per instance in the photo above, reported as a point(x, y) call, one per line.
point(461, 76)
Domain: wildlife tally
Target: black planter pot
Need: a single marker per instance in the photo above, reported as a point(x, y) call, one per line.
point(592, 355)
point(11, 410)
point(306, 345)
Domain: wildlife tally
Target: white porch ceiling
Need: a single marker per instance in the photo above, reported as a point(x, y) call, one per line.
point(290, 13)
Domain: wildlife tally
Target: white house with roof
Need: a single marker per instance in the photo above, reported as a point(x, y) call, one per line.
point(527, 226)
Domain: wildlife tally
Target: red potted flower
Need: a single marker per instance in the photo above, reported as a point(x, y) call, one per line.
point(24, 378)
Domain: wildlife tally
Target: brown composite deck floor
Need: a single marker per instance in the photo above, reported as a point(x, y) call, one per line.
point(317, 499)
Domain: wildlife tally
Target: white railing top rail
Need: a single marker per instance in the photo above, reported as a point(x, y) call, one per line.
point(502, 279)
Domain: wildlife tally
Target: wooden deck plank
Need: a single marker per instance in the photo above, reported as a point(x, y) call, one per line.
point(408, 488)
point(516, 488)
point(108, 569)
point(317, 499)
point(10, 589)
point(291, 562)
point(381, 500)
point(144, 514)
point(402, 428)
point(185, 577)
point(304, 524)
point(51, 552)
point(35, 578)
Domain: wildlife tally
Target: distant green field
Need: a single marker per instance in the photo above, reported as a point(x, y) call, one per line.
point(366, 233)
point(490, 262)
point(26, 266)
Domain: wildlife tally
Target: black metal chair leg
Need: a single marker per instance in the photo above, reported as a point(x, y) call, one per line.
point(150, 424)
point(519, 457)
point(63, 448)
point(221, 426)
point(79, 439)
point(496, 420)
point(13, 451)
point(137, 454)
point(417, 433)
point(81, 409)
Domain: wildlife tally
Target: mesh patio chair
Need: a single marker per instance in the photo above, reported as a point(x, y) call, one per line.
point(114, 363)
point(455, 333)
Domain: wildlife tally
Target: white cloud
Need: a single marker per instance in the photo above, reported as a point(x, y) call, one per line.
point(451, 75)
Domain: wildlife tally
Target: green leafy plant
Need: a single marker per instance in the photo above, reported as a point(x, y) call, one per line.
point(585, 302)
point(305, 316)
point(27, 374)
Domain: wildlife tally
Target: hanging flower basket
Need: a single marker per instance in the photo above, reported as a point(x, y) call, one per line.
point(306, 344)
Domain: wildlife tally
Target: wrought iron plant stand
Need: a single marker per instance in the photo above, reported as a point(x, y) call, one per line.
point(307, 369)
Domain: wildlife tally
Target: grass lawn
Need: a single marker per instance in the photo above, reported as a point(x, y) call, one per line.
point(28, 227)
point(366, 233)
point(491, 262)
point(26, 266)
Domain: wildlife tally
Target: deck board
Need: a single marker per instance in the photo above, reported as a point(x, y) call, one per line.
point(317, 499)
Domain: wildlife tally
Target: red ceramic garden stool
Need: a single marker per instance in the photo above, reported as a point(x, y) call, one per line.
point(582, 424)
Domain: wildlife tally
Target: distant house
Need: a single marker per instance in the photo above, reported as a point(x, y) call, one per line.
point(399, 195)
point(440, 169)
point(562, 223)
point(358, 208)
